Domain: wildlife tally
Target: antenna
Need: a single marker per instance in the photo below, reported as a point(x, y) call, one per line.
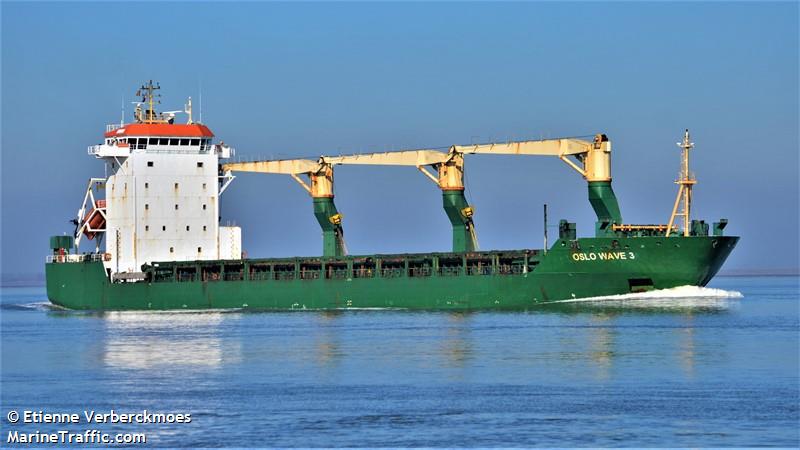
point(545, 228)
point(147, 92)
point(122, 116)
point(187, 108)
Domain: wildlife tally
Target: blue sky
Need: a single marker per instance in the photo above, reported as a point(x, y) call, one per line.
point(291, 80)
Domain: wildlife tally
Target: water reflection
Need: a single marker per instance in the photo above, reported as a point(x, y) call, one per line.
point(382, 341)
point(686, 351)
point(142, 340)
point(328, 348)
point(654, 306)
point(456, 347)
point(601, 344)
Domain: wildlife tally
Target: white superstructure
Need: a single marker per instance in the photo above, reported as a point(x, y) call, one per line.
point(161, 195)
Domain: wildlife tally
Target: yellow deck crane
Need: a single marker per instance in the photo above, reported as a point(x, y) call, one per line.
point(593, 162)
point(458, 211)
point(320, 176)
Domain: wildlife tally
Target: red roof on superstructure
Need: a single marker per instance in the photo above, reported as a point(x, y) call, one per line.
point(162, 129)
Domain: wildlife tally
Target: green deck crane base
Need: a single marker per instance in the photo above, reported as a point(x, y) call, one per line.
point(332, 234)
point(605, 205)
point(454, 203)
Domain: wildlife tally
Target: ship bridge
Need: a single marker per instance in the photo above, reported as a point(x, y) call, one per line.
point(122, 139)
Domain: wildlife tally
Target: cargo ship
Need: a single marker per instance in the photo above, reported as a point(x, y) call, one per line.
point(154, 221)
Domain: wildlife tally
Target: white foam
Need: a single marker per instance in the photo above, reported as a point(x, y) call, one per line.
point(676, 292)
point(677, 296)
point(41, 306)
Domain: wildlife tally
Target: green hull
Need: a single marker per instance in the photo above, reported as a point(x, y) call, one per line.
point(507, 280)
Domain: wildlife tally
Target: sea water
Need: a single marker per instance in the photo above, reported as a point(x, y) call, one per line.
point(714, 366)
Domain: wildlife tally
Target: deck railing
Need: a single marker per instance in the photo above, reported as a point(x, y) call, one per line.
point(89, 257)
point(99, 148)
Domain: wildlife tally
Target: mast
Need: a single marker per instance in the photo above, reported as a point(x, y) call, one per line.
point(685, 183)
point(147, 92)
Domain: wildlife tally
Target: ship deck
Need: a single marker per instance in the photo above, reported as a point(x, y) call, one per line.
point(501, 262)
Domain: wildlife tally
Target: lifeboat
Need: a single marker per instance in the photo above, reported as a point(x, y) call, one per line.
point(94, 219)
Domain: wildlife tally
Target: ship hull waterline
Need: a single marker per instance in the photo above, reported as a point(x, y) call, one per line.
point(592, 267)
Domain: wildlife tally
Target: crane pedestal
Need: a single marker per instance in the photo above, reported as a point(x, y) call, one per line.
point(460, 214)
point(331, 223)
point(605, 206)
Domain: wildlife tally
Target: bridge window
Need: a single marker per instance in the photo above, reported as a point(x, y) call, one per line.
point(163, 141)
point(173, 141)
point(153, 141)
point(184, 142)
point(195, 142)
